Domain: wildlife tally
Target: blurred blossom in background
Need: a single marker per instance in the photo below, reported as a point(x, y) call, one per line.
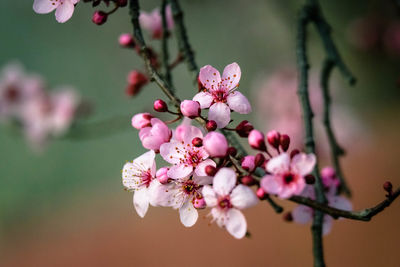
point(65, 206)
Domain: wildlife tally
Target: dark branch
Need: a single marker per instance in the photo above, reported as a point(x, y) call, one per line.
point(164, 44)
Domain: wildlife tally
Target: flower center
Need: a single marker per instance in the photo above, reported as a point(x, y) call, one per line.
point(219, 96)
point(225, 203)
point(12, 94)
point(288, 178)
point(190, 187)
point(146, 178)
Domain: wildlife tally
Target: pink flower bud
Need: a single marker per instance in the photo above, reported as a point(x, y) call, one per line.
point(197, 142)
point(244, 128)
point(160, 106)
point(259, 160)
point(248, 163)
point(211, 125)
point(162, 176)
point(141, 120)
point(256, 140)
point(285, 142)
point(248, 180)
point(261, 194)
point(99, 17)
point(190, 109)
point(294, 153)
point(388, 187)
point(210, 170)
point(287, 217)
point(215, 144)
point(273, 138)
point(199, 203)
point(126, 40)
point(136, 80)
point(232, 151)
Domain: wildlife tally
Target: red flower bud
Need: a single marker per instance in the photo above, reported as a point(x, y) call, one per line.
point(211, 125)
point(99, 17)
point(197, 142)
point(273, 138)
point(160, 106)
point(248, 180)
point(210, 170)
point(285, 142)
point(244, 128)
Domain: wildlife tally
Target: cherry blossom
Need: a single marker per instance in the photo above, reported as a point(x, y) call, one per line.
point(64, 8)
point(227, 200)
point(286, 176)
point(137, 176)
point(153, 21)
point(220, 94)
point(184, 156)
point(154, 136)
point(141, 120)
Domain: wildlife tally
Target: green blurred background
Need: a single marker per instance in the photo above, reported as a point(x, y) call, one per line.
point(67, 207)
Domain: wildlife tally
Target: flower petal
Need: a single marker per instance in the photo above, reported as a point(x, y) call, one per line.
point(179, 171)
point(204, 98)
point(236, 223)
point(302, 214)
point(145, 161)
point(44, 6)
point(341, 203)
point(64, 11)
point(169, 152)
point(279, 164)
point(141, 201)
point(224, 181)
point(243, 197)
point(231, 76)
point(220, 113)
point(190, 133)
point(327, 225)
point(270, 184)
point(239, 103)
point(303, 163)
point(188, 214)
point(210, 77)
point(209, 196)
point(201, 168)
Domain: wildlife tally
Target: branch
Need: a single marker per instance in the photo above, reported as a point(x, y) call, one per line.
point(165, 35)
point(363, 215)
point(336, 150)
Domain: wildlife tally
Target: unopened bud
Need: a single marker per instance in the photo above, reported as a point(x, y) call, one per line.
point(248, 180)
point(285, 142)
point(126, 40)
point(273, 138)
point(310, 179)
point(197, 142)
point(388, 187)
point(244, 128)
point(259, 160)
point(210, 170)
point(261, 194)
point(294, 153)
point(211, 125)
point(248, 163)
point(288, 217)
point(162, 176)
point(99, 17)
point(256, 140)
point(160, 106)
point(232, 151)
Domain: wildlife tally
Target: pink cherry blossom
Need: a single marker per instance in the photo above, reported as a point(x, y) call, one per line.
point(141, 120)
point(180, 194)
point(153, 21)
point(286, 176)
point(185, 157)
point(215, 144)
point(220, 94)
point(154, 136)
point(64, 8)
point(227, 199)
point(138, 176)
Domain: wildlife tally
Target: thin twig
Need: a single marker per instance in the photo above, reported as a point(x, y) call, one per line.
point(164, 44)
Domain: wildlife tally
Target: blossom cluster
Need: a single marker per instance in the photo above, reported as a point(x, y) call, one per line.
point(40, 114)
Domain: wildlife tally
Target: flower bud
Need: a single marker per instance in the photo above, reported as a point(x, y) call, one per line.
point(232, 151)
point(99, 17)
point(197, 142)
point(310, 179)
point(136, 80)
point(162, 176)
point(248, 180)
point(199, 84)
point(211, 125)
point(285, 142)
point(388, 187)
point(288, 217)
point(259, 160)
point(294, 153)
point(141, 120)
point(244, 128)
point(248, 163)
point(126, 40)
point(274, 138)
point(256, 140)
point(190, 108)
point(210, 170)
point(121, 3)
point(215, 144)
point(199, 203)
point(261, 194)
point(160, 105)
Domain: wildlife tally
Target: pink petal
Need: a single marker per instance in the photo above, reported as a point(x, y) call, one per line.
point(204, 98)
point(231, 76)
point(170, 19)
point(279, 164)
point(224, 181)
point(188, 214)
point(209, 196)
point(179, 171)
point(239, 103)
point(236, 224)
point(220, 113)
point(270, 184)
point(302, 214)
point(64, 11)
point(44, 6)
point(161, 195)
point(190, 133)
point(141, 201)
point(303, 164)
point(168, 152)
point(202, 180)
point(201, 168)
point(243, 197)
point(210, 77)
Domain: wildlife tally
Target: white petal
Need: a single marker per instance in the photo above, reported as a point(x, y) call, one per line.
point(220, 113)
point(44, 6)
point(209, 196)
point(204, 98)
point(243, 197)
point(130, 178)
point(236, 224)
point(160, 194)
point(179, 171)
point(64, 11)
point(239, 103)
point(271, 184)
point(145, 161)
point(302, 214)
point(279, 164)
point(224, 181)
point(188, 214)
point(169, 152)
point(141, 201)
point(303, 163)
point(201, 168)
